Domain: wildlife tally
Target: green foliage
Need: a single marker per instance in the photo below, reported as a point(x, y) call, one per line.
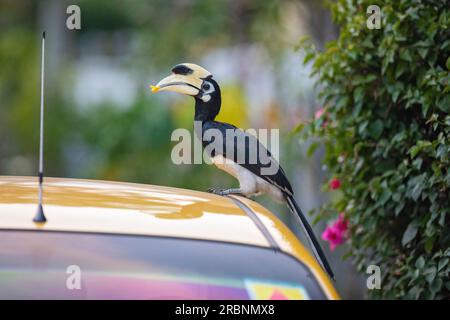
point(386, 132)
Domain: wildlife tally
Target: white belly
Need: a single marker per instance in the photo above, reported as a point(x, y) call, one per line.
point(250, 184)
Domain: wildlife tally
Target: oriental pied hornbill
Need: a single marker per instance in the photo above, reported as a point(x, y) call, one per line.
point(233, 157)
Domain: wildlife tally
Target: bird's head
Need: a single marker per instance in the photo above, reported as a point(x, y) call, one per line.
point(193, 80)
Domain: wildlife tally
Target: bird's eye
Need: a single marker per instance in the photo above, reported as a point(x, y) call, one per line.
point(206, 86)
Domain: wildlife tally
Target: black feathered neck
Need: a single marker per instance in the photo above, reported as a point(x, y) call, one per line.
point(207, 111)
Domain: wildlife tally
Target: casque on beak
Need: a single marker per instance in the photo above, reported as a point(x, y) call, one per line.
point(186, 78)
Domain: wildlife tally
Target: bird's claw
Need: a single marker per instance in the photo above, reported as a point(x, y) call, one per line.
point(216, 191)
point(226, 192)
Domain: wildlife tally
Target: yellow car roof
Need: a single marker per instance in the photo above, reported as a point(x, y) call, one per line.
point(127, 208)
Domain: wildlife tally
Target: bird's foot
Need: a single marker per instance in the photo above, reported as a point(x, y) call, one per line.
point(215, 191)
point(224, 192)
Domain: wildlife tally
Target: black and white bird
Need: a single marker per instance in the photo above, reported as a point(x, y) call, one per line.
point(236, 152)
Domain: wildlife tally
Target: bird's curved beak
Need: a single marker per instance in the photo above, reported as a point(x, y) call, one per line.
point(185, 84)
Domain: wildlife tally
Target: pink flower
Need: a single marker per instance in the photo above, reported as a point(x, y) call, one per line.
point(319, 113)
point(333, 236)
point(341, 223)
point(337, 233)
point(335, 184)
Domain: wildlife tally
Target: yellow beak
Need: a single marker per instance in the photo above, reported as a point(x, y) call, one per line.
point(185, 84)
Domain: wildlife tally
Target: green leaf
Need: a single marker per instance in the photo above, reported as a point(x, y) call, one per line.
point(400, 69)
point(442, 263)
point(423, 52)
point(358, 94)
point(414, 151)
point(312, 148)
point(420, 262)
point(385, 195)
point(429, 244)
point(417, 191)
point(308, 57)
point(405, 55)
point(436, 285)
point(341, 102)
point(430, 274)
point(303, 42)
point(395, 95)
point(298, 128)
point(444, 103)
point(376, 129)
point(410, 233)
point(399, 208)
point(418, 163)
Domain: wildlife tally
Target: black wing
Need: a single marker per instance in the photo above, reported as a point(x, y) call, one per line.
point(244, 149)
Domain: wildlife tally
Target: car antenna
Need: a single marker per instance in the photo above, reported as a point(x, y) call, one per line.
point(40, 216)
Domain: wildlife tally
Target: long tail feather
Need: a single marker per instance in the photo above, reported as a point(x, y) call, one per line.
point(314, 243)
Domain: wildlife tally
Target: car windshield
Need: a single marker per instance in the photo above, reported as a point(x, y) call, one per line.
point(66, 265)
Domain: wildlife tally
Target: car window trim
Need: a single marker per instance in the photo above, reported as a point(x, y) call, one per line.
point(258, 223)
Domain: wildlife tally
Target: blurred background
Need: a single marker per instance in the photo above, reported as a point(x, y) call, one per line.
point(102, 122)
